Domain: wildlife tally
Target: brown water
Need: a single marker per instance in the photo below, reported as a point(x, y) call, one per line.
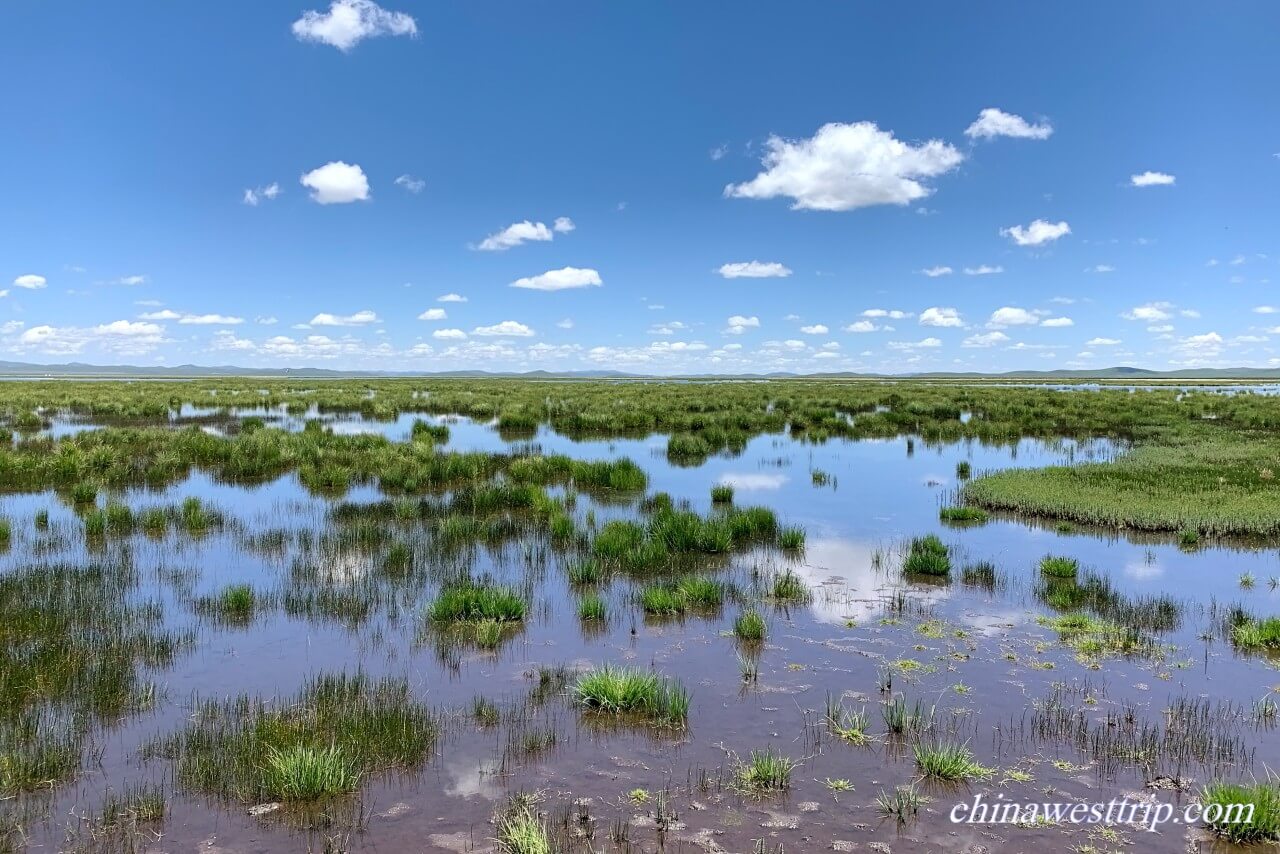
point(976, 655)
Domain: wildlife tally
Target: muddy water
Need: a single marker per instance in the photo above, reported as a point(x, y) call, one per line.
point(977, 656)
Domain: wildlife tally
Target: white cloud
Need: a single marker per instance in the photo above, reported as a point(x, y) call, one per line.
point(514, 235)
point(754, 270)
point(120, 337)
point(563, 225)
point(939, 316)
point(992, 123)
point(507, 328)
point(1151, 179)
point(1011, 316)
point(1102, 342)
point(225, 339)
point(935, 272)
point(451, 298)
point(337, 183)
point(266, 320)
point(1037, 234)
point(433, 314)
point(567, 323)
point(255, 195)
point(862, 326)
point(891, 313)
point(983, 270)
point(348, 22)
point(449, 334)
point(815, 329)
point(129, 281)
point(737, 325)
point(559, 280)
point(360, 318)
point(163, 314)
point(1057, 322)
point(847, 166)
point(1100, 268)
point(1266, 309)
point(1189, 312)
point(925, 344)
point(1149, 312)
point(984, 339)
point(210, 320)
point(410, 183)
point(30, 281)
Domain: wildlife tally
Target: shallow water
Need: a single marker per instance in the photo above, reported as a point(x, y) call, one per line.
point(978, 656)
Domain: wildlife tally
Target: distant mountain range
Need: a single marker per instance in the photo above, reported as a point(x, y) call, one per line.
point(82, 370)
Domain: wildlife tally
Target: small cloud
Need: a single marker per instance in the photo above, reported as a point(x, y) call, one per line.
point(337, 183)
point(563, 225)
point(266, 320)
point(1011, 316)
point(737, 325)
point(514, 235)
point(1100, 268)
point(719, 152)
point(983, 270)
point(1152, 179)
point(985, 339)
point(349, 22)
point(860, 326)
point(925, 344)
point(30, 281)
point(451, 298)
point(1102, 342)
point(360, 318)
point(992, 123)
point(410, 183)
point(449, 334)
point(1057, 322)
point(163, 314)
point(1266, 309)
point(1038, 233)
point(210, 320)
point(754, 270)
point(1149, 312)
point(433, 314)
point(891, 313)
point(559, 280)
point(567, 323)
point(815, 329)
point(936, 316)
point(129, 281)
point(256, 195)
point(507, 328)
point(935, 272)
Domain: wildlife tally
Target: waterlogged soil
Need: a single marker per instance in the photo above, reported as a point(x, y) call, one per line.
point(974, 654)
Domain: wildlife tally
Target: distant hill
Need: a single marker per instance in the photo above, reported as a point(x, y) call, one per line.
point(1118, 373)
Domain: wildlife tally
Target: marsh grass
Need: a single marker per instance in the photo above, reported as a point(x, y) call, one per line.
point(902, 803)
point(520, 831)
point(750, 626)
point(1255, 633)
point(948, 761)
point(1264, 798)
point(338, 731)
point(927, 555)
point(629, 691)
point(963, 515)
point(467, 600)
point(234, 604)
point(764, 771)
point(592, 607)
point(845, 723)
point(902, 719)
point(788, 587)
point(791, 539)
point(1059, 567)
point(585, 571)
point(722, 493)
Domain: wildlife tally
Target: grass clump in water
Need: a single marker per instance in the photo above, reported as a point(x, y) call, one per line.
point(1059, 567)
point(787, 586)
point(468, 601)
point(927, 555)
point(846, 723)
point(592, 607)
point(585, 571)
point(750, 626)
point(963, 514)
point(722, 493)
point(234, 604)
point(791, 539)
point(339, 730)
point(521, 832)
point(630, 691)
point(1254, 633)
point(1243, 813)
point(948, 761)
point(764, 771)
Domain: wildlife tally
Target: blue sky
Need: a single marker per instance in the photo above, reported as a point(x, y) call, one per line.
point(660, 187)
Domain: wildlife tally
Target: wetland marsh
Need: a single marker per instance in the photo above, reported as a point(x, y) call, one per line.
point(523, 616)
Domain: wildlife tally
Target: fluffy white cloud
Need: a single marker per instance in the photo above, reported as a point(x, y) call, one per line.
point(940, 316)
point(861, 326)
point(754, 270)
point(983, 270)
point(891, 313)
point(410, 183)
point(449, 334)
point(847, 166)
point(337, 183)
point(1149, 312)
point(563, 225)
point(256, 195)
point(360, 318)
point(120, 337)
point(162, 314)
point(736, 325)
point(1038, 233)
point(349, 22)
point(1057, 322)
point(559, 280)
point(984, 339)
point(451, 298)
point(514, 235)
point(30, 281)
point(1152, 179)
point(210, 320)
point(1011, 316)
point(507, 328)
point(1102, 342)
point(815, 329)
point(992, 123)
point(935, 272)
point(433, 314)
